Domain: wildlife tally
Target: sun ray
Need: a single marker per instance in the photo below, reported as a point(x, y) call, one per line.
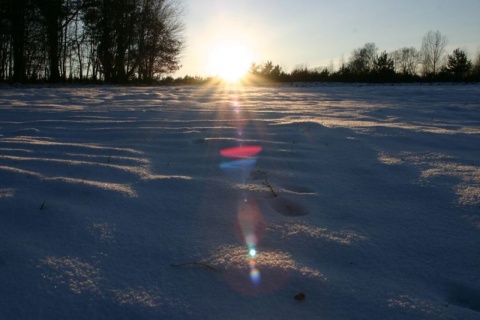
point(229, 60)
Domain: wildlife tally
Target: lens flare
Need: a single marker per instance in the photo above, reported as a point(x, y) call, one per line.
point(254, 273)
point(241, 152)
point(238, 170)
point(250, 226)
point(255, 276)
point(238, 164)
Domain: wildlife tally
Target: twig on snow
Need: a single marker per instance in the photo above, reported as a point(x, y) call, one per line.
point(266, 183)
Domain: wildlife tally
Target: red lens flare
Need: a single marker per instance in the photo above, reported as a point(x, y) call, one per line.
point(241, 152)
point(250, 226)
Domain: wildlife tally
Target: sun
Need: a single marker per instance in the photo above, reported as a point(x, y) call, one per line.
point(229, 60)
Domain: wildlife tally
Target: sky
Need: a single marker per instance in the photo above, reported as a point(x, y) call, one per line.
point(315, 33)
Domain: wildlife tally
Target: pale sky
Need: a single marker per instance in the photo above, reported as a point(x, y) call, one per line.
point(315, 32)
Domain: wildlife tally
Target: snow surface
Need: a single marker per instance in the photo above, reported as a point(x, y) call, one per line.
point(115, 202)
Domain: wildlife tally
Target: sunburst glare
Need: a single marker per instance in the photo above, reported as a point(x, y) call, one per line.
point(229, 60)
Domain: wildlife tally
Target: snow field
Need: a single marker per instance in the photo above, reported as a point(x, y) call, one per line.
point(364, 198)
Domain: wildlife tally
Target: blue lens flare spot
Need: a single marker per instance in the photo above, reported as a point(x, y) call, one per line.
point(238, 170)
point(252, 252)
point(255, 276)
point(238, 164)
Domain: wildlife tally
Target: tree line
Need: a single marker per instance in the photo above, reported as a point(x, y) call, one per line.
point(120, 41)
point(113, 41)
point(430, 63)
point(366, 64)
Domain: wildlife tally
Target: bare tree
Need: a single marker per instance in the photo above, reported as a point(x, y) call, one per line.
point(476, 67)
point(160, 39)
point(433, 52)
point(362, 59)
point(406, 60)
point(17, 15)
point(111, 40)
point(138, 39)
point(6, 59)
point(331, 67)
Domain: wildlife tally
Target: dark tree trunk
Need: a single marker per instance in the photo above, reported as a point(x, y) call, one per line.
point(52, 13)
point(18, 8)
point(53, 53)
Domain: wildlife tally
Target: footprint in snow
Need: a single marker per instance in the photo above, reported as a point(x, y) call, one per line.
point(464, 296)
point(287, 207)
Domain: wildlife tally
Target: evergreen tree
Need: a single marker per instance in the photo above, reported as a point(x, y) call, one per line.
point(383, 67)
point(458, 64)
